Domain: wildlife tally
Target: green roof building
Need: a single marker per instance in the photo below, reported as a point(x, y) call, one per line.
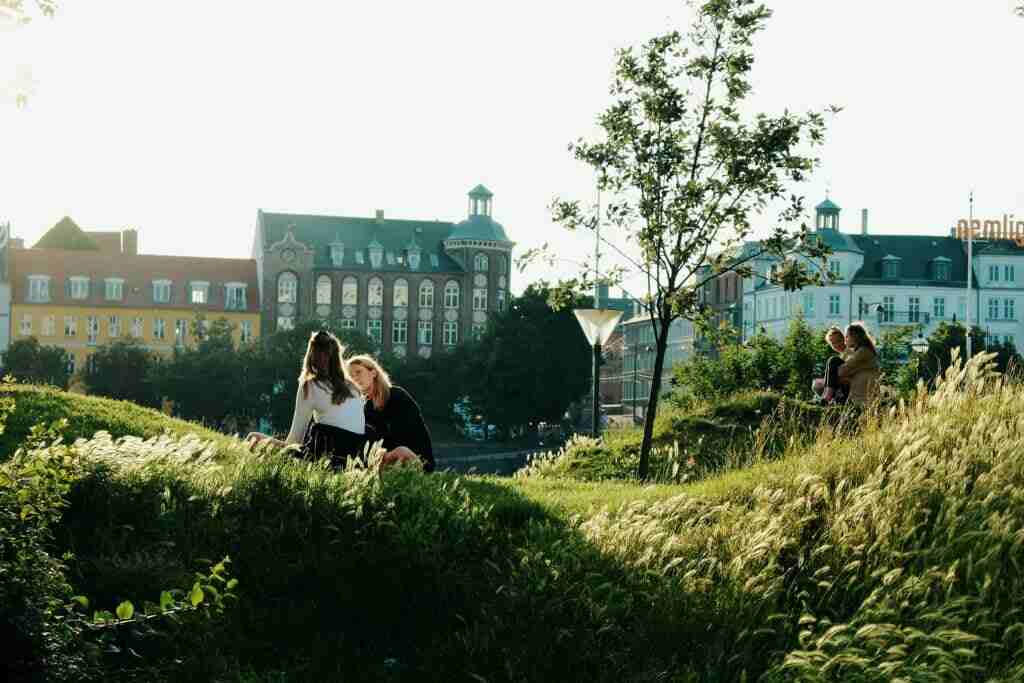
point(414, 286)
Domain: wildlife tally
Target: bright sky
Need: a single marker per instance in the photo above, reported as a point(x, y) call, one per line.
point(182, 119)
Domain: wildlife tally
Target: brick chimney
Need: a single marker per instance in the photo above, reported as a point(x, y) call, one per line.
point(380, 215)
point(17, 243)
point(130, 242)
point(863, 221)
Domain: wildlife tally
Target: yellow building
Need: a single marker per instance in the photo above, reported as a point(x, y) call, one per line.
point(79, 290)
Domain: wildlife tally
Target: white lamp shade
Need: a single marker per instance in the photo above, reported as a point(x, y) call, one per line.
point(920, 345)
point(597, 323)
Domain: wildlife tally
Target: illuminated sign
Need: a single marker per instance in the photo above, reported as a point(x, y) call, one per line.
point(1005, 229)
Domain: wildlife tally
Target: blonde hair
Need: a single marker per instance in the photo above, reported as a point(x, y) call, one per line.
point(334, 376)
point(831, 332)
point(861, 337)
point(380, 392)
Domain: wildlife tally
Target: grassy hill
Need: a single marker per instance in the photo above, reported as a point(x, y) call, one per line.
point(86, 415)
point(886, 554)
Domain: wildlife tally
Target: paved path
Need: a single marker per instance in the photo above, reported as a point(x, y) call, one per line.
point(504, 463)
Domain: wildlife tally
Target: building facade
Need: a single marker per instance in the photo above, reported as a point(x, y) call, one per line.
point(412, 286)
point(5, 288)
point(79, 290)
point(892, 280)
point(638, 354)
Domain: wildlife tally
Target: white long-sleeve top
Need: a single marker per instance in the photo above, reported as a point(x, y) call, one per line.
point(346, 415)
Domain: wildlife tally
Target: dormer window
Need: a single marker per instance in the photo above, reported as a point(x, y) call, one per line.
point(38, 288)
point(414, 259)
point(234, 296)
point(78, 287)
point(376, 253)
point(337, 253)
point(941, 269)
point(360, 260)
point(114, 289)
point(389, 257)
point(434, 262)
point(891, 267)
point(199, 292)
point(161, 291)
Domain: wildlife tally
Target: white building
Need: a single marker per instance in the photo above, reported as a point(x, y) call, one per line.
point(5, 289)
point(892, 280)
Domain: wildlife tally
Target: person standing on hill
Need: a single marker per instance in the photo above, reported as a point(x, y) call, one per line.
point(861, 369)
point(392, 415)
point(329, 419)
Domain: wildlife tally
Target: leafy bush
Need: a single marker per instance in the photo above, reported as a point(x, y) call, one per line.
point(693, 444)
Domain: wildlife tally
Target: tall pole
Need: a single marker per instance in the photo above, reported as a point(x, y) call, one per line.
point(636, 350)
point(970, 267)
point(596, 429)
point(597, 252)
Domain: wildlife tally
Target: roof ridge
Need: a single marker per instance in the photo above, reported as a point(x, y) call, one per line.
point(357, 218)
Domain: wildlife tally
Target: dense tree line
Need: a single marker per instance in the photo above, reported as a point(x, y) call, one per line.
point(529, 365)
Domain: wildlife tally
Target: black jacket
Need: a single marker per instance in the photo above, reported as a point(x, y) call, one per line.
point(400, 423)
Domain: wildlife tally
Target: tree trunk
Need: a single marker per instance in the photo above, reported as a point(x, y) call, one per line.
point(652, 400)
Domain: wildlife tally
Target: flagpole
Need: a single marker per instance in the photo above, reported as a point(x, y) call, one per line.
point(970, 268)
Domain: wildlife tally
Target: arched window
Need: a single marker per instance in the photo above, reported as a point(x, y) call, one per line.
point(480, 263)
point(451, 294)
point(287, 288)
point(323, 290)
point(426, 294)
point(376, 296)
point(502, 265)
point(401, 293)
point(350, 291)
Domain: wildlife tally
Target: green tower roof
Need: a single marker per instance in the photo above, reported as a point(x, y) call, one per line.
point(827, 205)
point(480, 192)
point(479, 227)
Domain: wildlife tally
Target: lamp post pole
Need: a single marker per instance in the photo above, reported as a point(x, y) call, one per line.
point(597, 325)
point(596, 408)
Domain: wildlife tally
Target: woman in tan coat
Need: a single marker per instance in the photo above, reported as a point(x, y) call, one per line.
point(861, 368)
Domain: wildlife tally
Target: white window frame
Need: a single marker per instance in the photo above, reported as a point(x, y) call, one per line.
point(479, 298)
point(70, 327)
point(478, 330)
point(79, 287)
point(400, 293)
point(350, 291)
point(808, 304)
point(834, 305)
point(993, 272)
point(138, 327)
point(245, 332)
point(349, 324)
point(285, 322)
point(400, 332)
point(180, 332)
point(939, 307)
point(888, 309)
point(113, 289)
point(500, 300)
point(235, 296)
point(426, 296)
point(92, 329)
point(452, 294)
point(451, 333)
point(375, 330)
point(159, 329)
point(1008, 274)
point(39, 288)
point(199, 287)
point(324, 290)
point(287, 287)
point(481, 264)
point(375, 292)
point(26, 324)
point(425, 332)
point(162, 291)
point(913, 309)
point(114, 327)
point(1009, 309)
point(835, 269)
point(49, 326)
point(993, 308)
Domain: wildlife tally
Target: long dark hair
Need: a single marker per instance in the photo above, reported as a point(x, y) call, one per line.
point(332, 375)
point(861, 337)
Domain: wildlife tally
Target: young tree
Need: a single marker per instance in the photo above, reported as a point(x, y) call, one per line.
point(27, 361)
point(685, 169)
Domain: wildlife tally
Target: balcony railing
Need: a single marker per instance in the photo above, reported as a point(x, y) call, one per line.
point(885, 316)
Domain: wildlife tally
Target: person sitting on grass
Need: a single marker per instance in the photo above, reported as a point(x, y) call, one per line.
point(830, 388)
point(861, 369)
point(392, 415)
point(329, 420)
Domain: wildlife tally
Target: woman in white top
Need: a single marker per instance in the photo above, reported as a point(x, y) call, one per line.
point(326, 394)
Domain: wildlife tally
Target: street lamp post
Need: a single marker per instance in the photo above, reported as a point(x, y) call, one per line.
point(598, 325)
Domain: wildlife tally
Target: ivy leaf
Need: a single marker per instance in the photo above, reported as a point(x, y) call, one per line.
point(125, 610)
point(232, 583)
point(196, 596)
point(81, 600)
point(166, 601)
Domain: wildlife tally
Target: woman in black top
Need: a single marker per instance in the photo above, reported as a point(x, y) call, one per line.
point(392, 415)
